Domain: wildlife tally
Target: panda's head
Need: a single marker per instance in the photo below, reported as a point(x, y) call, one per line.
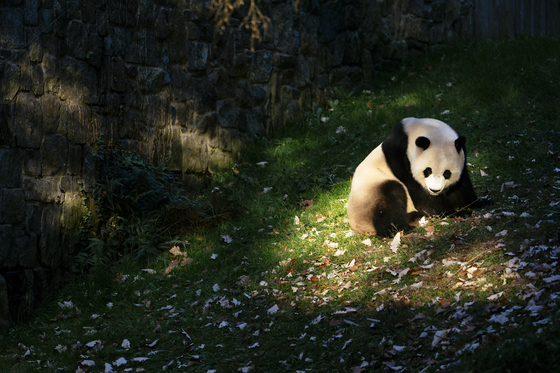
point(436, 155)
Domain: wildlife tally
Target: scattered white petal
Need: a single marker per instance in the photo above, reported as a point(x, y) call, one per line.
point(396, 242)
point(120, 361)
point(367, 242)
point(60, 348)
point(501, 318)
point(317, 320)
point(216, 287)
point(256, 344)
point(125, 344)
point(417, 285)
point(272, 310)
point(213, 256)
point(346, 343)
point(262, 164)
point(339, 252)
point(140, 359)
point(88, 363)
point(148, 270)
point(399, 348)
point(66, 304)
point(440, 336)
point(108, 368)
point(153, 343)
point(496, 296)
point(93, 343)
point(423, 221)
point(482, 173)
point(552, 278)
point(502, 233)
point(226, 238)
point(110, 305)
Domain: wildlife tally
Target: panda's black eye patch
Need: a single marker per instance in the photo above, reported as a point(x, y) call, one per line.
point(427, 172)
point(447, 174)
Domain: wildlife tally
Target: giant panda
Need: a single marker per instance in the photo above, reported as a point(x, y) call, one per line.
point(420, 169)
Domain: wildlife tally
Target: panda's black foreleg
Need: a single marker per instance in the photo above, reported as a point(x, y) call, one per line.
point(389, 215)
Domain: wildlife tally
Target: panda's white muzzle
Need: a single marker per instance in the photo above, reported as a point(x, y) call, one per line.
point(435, 184)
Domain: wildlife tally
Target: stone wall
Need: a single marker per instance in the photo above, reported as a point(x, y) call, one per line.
point(157, 77)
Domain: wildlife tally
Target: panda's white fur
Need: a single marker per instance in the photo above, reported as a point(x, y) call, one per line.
point(418, 170)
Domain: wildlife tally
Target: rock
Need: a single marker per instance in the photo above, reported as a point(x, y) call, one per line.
point(350, 18)
point(4, 310)
point(30, 14)
point(28, 121)
point(78, 82)
point(76, 37)
point(261, 66)
point(11, 167)
point(162, 26)
point(42, 190)
point(12, 206)
point(32, 163)
point(49, 241)
point(10, 79)
point(302, 74)
point(54, 155)
point(33, 214)
point(309, 26)
point(151, 79)
point(329, 19)
point(8, 252)
point(71, 211)
point(195, 153)
point(26, 243)
point(197, 55)
point(240, 63)
point(12, 29)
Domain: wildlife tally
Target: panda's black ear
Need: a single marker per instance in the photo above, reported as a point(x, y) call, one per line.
point(423, 142)
point(460, 143)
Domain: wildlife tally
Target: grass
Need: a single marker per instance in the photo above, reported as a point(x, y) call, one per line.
point(286, 287)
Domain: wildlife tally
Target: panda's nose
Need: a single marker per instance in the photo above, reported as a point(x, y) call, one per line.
point(435, 190)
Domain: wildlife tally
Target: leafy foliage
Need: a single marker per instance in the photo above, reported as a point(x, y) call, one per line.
point(140, 208)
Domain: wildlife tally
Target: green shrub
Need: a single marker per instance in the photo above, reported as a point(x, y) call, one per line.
point(139, 210)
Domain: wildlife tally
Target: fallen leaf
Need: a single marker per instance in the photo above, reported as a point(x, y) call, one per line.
point(186, 261)
point(308, 203)
point(175, 251)
point(171, 265)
